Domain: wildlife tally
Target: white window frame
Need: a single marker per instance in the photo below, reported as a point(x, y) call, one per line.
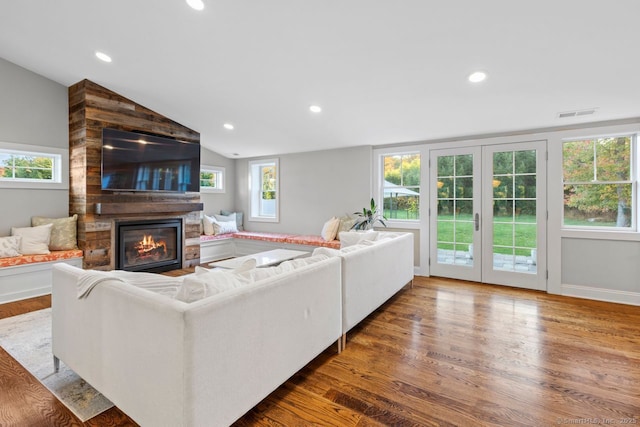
point(60, 172)
point(576, 230)
point(255, 190)
point(379, 180)
point(220, 174)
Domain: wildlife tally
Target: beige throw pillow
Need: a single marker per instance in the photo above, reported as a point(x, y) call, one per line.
point(34, 240)
point(346, 224)
point(63, 233)
point(330, 229)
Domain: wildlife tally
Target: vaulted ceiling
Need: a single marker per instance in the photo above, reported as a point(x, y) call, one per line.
point(383, 71)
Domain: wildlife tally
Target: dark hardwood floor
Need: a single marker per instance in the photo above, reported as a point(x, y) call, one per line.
point(445, 353)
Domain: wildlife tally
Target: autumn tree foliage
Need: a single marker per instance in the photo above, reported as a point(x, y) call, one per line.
point(597, 178)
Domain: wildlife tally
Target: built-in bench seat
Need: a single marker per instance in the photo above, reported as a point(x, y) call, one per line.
point(213, 248)
point(27, 276)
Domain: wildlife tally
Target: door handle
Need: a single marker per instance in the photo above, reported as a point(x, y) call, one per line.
point(476, 221)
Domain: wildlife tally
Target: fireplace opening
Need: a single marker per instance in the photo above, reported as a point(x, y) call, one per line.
point(151, 245)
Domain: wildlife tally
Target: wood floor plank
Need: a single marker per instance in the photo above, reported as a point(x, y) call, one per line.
point(443, 353)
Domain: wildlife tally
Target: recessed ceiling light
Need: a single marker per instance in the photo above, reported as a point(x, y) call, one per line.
point(228, 126)
point(103, 56)
point(196, 4)
point(477, 77)
point(315, 109)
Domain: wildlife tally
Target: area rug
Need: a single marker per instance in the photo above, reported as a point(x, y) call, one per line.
point(27, 338)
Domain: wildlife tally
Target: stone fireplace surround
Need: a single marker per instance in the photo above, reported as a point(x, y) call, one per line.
point(92, 108)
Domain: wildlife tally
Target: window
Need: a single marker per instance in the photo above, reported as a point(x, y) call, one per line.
point(211, 179)
point(401, 186)
point(33, 167)
point(264, 189)
point(599, 183)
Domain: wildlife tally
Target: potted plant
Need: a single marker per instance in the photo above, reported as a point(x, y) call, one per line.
point(368, 218)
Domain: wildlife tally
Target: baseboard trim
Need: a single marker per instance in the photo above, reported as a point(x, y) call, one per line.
point(601, 294)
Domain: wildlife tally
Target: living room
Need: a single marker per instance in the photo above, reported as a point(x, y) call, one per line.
point(318, 182)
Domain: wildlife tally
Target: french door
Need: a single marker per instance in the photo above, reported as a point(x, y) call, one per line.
point(488, 214)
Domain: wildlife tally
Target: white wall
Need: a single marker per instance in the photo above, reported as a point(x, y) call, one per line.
point(214, 202)
point(314, 187)
point(33, 111)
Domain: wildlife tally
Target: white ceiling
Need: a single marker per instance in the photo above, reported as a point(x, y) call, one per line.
point(384, 71)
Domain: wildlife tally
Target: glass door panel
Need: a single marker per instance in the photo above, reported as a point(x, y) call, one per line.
point(497, 235)
point(515, 217)
point(455, 189)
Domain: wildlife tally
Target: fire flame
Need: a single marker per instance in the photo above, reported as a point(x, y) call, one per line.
point(148, 244)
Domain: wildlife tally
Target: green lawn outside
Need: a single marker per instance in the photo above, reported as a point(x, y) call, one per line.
point(400, 214)
point(503, 230)
point(521, 233)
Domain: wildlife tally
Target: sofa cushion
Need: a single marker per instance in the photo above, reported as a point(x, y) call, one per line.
point(10, 246)
point(350, 238)
point(63, 232)
point(52, 256)
point(205, 282)
point(329, 252)
point(35, 240)
point(257, 274)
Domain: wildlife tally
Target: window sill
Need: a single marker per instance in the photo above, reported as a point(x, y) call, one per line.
point(212, 190)
point(18, 185)
point(399, 223)
point(601, 235)
point(262, 219)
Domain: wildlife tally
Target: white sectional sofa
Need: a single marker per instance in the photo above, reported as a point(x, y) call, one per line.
point(165, 362)
point(372, 274)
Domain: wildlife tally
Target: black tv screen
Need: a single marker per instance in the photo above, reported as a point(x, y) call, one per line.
point(138, 162)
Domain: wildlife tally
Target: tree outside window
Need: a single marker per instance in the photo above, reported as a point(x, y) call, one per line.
point(212, 179)
point(401, 186)
point(264, 190)
point(598, 183)
point(18, 166)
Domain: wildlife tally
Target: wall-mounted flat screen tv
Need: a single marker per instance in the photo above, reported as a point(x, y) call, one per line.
point(134, 161)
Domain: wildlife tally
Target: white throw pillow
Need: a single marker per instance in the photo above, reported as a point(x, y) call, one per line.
point(10, 246)
point(214, 227)
point(35, 240)
point(225, 227)
point(225, 218)
point(350, 238)
point(330, 229)
point(239, 218)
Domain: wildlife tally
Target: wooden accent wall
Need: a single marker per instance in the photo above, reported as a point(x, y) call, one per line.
point(92, 108)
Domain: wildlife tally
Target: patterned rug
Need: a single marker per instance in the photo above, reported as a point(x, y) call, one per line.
point(27, 338)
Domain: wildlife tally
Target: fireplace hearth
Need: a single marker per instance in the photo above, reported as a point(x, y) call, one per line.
point(149, 245)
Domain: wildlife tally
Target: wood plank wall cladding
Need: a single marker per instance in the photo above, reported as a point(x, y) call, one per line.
point(92, 108)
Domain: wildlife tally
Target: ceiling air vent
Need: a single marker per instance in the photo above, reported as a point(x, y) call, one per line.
point(576, 113)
